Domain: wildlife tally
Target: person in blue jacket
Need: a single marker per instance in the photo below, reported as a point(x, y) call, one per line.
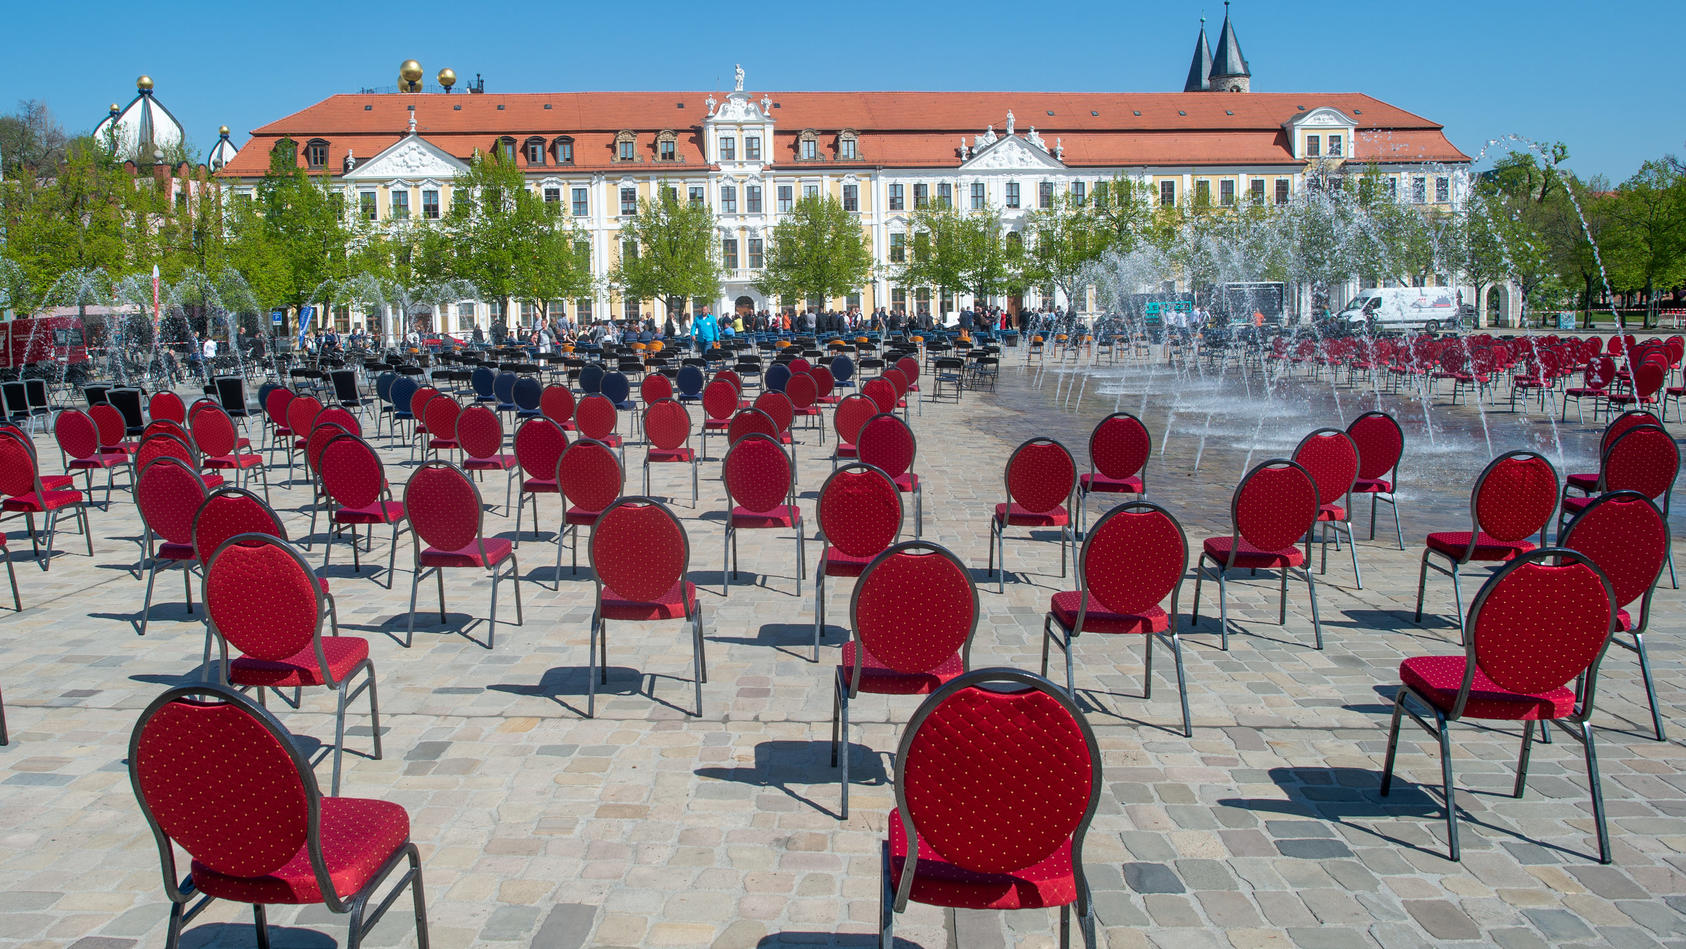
point(705, 329)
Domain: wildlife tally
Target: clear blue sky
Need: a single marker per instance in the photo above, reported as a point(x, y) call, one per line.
point(1585, 74)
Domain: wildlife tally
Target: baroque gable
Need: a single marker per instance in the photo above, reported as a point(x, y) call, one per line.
point(412, 157)
point(1010, 153)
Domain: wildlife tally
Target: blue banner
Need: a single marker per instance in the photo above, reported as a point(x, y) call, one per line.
point(305, 315)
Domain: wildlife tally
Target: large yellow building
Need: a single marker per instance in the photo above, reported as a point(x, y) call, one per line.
point(751, 154)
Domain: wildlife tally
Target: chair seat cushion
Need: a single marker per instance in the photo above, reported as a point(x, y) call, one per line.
point(490, 463)
point(716, 424)
point(1438, 678)
point(1099, 619)
point(1372, 486)
point(1584, 391)
point(539, 485)
point(782, 515)
point(836, 563)
point(236, 461)
point(358, 837)
point(169, 551)
point(1331, 512)
point(49, 500)
point(1018, 516)
point(907, 482)
point(1252, 557)
point(1487, 547)
point(673, 604)
point(381, 512)
point(1575, 505)
point(936, 882)
point(448, 444)
point(581, 515)
point(672, 454)
point(497, 550)
point(881, 679)
point(1583, 482)
point(1101, 484)
point(845, 450)
point(99, 460)
point(342, 652)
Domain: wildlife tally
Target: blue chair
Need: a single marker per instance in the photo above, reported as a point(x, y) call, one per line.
point(591, 378)
point(690, 384)
point(484, 380)
point(775, 377)
point(402, 390)
point(618, 389)
point(503, 386)
point(528, 392)
point(843, 372)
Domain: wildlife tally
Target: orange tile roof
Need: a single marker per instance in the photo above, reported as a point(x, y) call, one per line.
point(896, 129)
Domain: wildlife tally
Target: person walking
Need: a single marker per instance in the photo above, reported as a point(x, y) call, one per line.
point(706, 330)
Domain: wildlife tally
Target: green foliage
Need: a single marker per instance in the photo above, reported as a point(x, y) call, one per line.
point(956, 251)
point(819, 249)
point(677, 254)
point(1065, 240)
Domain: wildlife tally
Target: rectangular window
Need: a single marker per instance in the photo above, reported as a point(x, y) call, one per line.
point(1336, 146)
point(535, 152)
point(1226, 192)
point(810, 149)
point(1167, 194)
point(1202, 191)
point(810, 191)
point(1045, 194)
point(1012, 194)
point(1080, 192)
point(465, 313)
point(729, 252)
point(626, 149)
point(430, 205)
point(1391, 186)
point(366, 204)
point(695, 193)
point(784, 199)
point(1442, 190)
point(582, 307)
point(400, 205)
point(1419, 190)
point(752, 147)
point(552, 196)
point(1282, 187)
point(945, 195)
point(851, 197)
point(582, 255)
point(728, 199)
point(665, 149)
point(629, 250)
point(316, 154)
point(728, 148)
point(752, 199)
point(898, 248)
point(1256, 189)
point(757, 254)
point(847, 149)
point(670, 193)
point(921, 196)
point(1337, 183)
point(581, 203)
point(629, 202)
point(1313, 146)
point(898, 299)
point(896, 201)
point(977, 196)
point(565, 152)
point(633, 309)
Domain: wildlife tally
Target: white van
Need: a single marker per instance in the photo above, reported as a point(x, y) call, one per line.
point(1428, 308)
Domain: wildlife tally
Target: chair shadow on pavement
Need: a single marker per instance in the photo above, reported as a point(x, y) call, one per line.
point(793, 639)
point(846, 940)
point(217, 935)
point(623, 681)
point(779, 764)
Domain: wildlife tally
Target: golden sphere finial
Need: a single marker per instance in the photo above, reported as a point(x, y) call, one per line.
point(144, 84)
point(223, 131)
point(411, 71)
point(115, 109)
point(447, 77)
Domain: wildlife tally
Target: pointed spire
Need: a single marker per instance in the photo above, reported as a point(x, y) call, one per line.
point(1228, 63)
point(1201, 66)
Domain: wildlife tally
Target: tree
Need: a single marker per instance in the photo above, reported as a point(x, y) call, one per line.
point(1066, 238)
point(670, 250)
point(32, 142)
point(1123, 211)
point(76, 220)
point(817, 250)
point(302, 229)
point(1650, 209)
point(956, 251)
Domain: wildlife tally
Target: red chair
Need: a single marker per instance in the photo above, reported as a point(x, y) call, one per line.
point(215, 435)
point(751, 422)
point(860, 515)
point(1380, 443)
point(440, 415)
point(591, 478)
point(418, 413)
point(1644, 458)
point(720, 403)
point(1512, 501)
point(1273, 507)
point(26, 491)
point(199, 750)
point(275, 410)
point(1648, 379)
point(358, 495)
point(1040, 478)
point(445, 513)
point(825, 385)
point(314, 445)
point(1595, 385)
point(781, 410)
point(667, 427)
point(557, 404)
point(886, 443)
point(168, 493)
point(264, 600)
point(78, 438)
point(654, 388)
point(113, 430)
point(480, 436)
point(846, 420)
point(1587, 482)
point(596, 418)
point(1119, 447)
point(804, 401)
point(901, 382)
point(301, 414)
point(997, 779)
point(1627, 537)
point(1134, 558)
point(908, 366)
point(1331, 457)
point(169, 406)
point(538, 443)
point(911, 623)
point(760, 494)
point(639, 553)
point(228, 511)
point(1538, 625)
point(883, 393)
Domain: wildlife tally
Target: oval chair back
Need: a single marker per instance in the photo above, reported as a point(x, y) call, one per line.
point(167, 405)
point(842, 369)
point(1331, 457)
point(731, 376)
point(776, 376)
point(1380, 441)
point(882, 392)
point(595, 417)
point(589, 475)
point(852, 412)
point(1040, 476)
point(1644, 459)
point(352, 472)
point(443, 508)
point(801, 391)
point(556, 403)
point(1119, 447)
point(229, 511)
point(538, 443)
point(720, 400)
point(1133, 558)
point(824, 381)
point(914, 611)
point(503, 387)
point(482, 379)
point(655, 388)
point(667, 424)
point(617, 388)
point(164, 445)
point(166, 426)
point(440, 417)
point(109, 421)
point(262, 598)
point(168, 493)
point(639, 550)
point(529, 395)
point(479, 432)
point(1273, 507)
point(77, 434)
point(1620, 425)
point(275, 406)
point(1627, 537)
point(418, 403)
point(898, 379)
point(887, 443)
point(1514, 497)
point(213, 431)
point(591, 378)
point(757, 472)
point(317, 443)
point(751, 422)
point(301, 411)
point(778, 407)
point(859, 510)
point(691, 381)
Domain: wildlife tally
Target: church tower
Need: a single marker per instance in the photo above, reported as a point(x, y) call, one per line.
point(1201, 67)
point(1229, 71)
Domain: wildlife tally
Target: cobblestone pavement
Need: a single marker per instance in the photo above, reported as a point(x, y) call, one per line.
point(648, 827)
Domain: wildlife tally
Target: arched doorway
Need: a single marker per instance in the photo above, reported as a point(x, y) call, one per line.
point(1496, 310)
point(744, 306)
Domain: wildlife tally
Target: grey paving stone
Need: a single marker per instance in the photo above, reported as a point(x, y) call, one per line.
point(1152, 878)
point(1442, 919)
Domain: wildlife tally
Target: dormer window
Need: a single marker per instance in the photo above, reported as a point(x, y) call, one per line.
point(563, 149)
point(316, 153)
point(626, 145)
point(506, 149)
point(808, 145)
point(666, 147)
point(1313, 146)
point(848, 145)
point(534, 147)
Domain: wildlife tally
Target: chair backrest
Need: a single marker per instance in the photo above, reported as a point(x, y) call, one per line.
point(655, 388)
point(731, 376)
point(479, 432)
point(538, 443)
point(616, 387)
point(481, 379)
point(776, 376)
point(898, 379)
point(167, 426)
point(231, 392)
point(345, 384)
point(228, 511)
point(301, 411)
point(1538, 624)
point(595, 417)
point(691, 380)
point(909, 367)
point(110, 423)
point(19, 473)
point(1515, 496)
point(503, 386)
point(168, 492)
point(997, 771)
point(557, 404)
point(317, 443)
point(1040, 475)
point(757, 472)
point(1133, 558)
point(667, 424)
point(352, 472)
point(886, 442)
point(200, 405)
point(589, 475)
point(1274, 505)
point(842, 368)
point(383, 385)
point(639, 550)
point(882, 392)
point(591, 378)
point(851, 413)
point(751, 421)
point(1119, 446)
point(720, 399)
point(1627, 537)
point(440, 417)
point(419, 400)
point(402, 394)
point(529, 394)
point(1332, 458)
point(801, 390)
point(213, 430)
point(1620, 425)
point(778, 407)
point(167, 405)
point(1380, 443)
point(915, 608)
point(824, 381)
point(1649, 377)
point(261, 597)
point(220, 777)
point(162, 445)
point(76, 433)
point(859, 510)
point(1645, 459)
point(443, 507)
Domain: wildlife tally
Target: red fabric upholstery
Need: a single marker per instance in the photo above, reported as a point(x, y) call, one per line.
point(1252, 557)
point(497, 551)
point(670, 604)
point(780, 515)
point(383, 512)
point(1516, 496)
point(639, 553)
point(78, 436)
point(758, 476)
point(169, 494)
point(441, 505)
point(595, 417)
point(358, 836)
point(880, 678)
point(1099, 619)
point(263, 600)
point(1487, 547)
point(1119, 446)
point(914, 613)
point(1372, 486)
point(1540, 626)
point(1332, 460)
point(936, 882)
point(1438, 678)
point(1644, 459)
point(229, 512)
point(441, 417)
point(481, 436)
point(539, 442)
point(1628, 540)
point(352, 474)
point(778, 407)
point(886, 442)
point(1019, 516)
point(1040, 477)
point(1131, 562)
point(655, 388)
point(36, 503)
point(1274, 507)
point(667, 424)
point(556, 403)
point(751, 422)
point(301, 669)
point(851, 413)
point(860, 513)
point(301, 412)
point(835, 562)
point(882, 392)
point(590, 475)
point(1101, 484)
point(720, 400)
